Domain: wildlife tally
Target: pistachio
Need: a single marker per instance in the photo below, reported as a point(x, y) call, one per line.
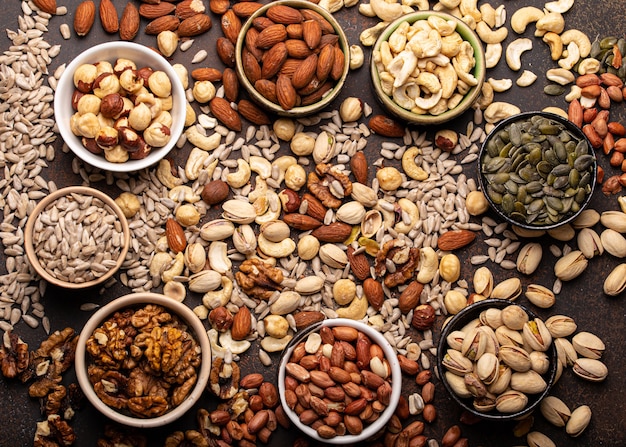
point(578, 421)
point(509, 337)
point(287, 302)
point(217, 230)
point(565, 352)
point(455, 340)
point(590, 369)
point(483, 282)
point(275, 231)
point(570, 266)
point(514, 317)
point(560, 326)
point(488, 368)
point(474, 344)
point(491, 317)
point(536, 335)
point(333, 256)
point(615, 220)
point(614, 243)
point(351, 213)
point(371, 222)
point(515, 357)
point(529, 258)
point(539, 362)
point(309, 285)
point(244, 240)
point(589, 243)
point(538, 439)
point(511, 401)
point(588, 345)
point(195, 257)
point(509, 289)
point(238, 211)
point(324, 149)
point(457, 363)
point(457, 384)
point(586, 219)
point(615, 282)
point(363, 194)
point(528, 382)
point(204, 281)
point(555, 411)
point(540, 296)
point(501, 384)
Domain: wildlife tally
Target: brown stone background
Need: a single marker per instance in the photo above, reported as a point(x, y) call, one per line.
point(581, 299)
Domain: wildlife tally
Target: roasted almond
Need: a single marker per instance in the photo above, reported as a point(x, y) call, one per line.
point(301, 222)
point(304, 72)
point(242, 323)
point(309, 14)
point(154, 11)
point(311, 33)
point(373, 291)
point(285, 92)
point(251, 67)
point(252, 113)
point(359, 168)
point(410, 297)
point(160, 24)
point(334, 232)
point(221, 109)
point(194, 25)
point(267, 89)
point(317, 95)
point(325, 62)
point(297, 48)
point(273, 60)
point(129, 23)
point(230, 81)
point(294, 31)
point(225, 51)
point(315, 208)
point(338, 63)
point(84, 17)
point(175, 236)
point(385, 126)
point(219, 7)
point(271, 35)
point(189, 8)
point(284, 14)
point(246, 9)
point(250, 42)
point(359, 265)
point(49, 6)
point(454, 239)
point(108, 16)
point(206, 74)
point(231, 25)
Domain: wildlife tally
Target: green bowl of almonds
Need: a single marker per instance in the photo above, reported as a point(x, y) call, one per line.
point(537, 170)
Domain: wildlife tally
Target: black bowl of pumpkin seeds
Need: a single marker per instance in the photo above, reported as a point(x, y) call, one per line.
point(537, 170)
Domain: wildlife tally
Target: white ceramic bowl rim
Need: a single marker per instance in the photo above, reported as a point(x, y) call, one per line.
point(134, 299)
point(46, 201)
point(111, 51)
point(396, 382)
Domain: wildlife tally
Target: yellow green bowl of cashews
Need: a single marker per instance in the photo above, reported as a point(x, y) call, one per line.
point(428, 67)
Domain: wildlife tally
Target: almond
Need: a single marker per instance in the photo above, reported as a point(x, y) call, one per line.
point(273, 59)
point(246, 9)
point(454, 239)
point(251, 67)
point(189, 8)
point(250, 41)
point(301, 222)
point(160, 24)
point(252, 113)
point(410, 297)
point(311, 33)
point(267, 89)
point(242, 324)
point(315, 208)
point(194, 25)
point(129, 23)
point(230, 81)
point(309, 14)
point(335, 232)
point(338, 64)
point(359, 264)
point(206, 74)
point(284, 14)
point(225, 51)
point(294, 31)
point(297, 48)
point(373, 291)
point(49, 6)
point(358, 165)
point(231, 25)
point(289, 67)
point(317, 95)
point(108, 16)
point(175, 236)
point(285, 92)
point(325, 62)
point(271, 35)
point(84, 17)
point(154, 11)
point(221, 109)
point(386, 126)
point(219, 7)
point(307, 317)
point(304, 72)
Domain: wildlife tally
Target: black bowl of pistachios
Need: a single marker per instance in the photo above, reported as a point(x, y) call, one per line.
point(537, 170)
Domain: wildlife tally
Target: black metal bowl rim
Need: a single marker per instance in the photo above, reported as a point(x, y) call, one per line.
point(465, 316)
point(571, 127)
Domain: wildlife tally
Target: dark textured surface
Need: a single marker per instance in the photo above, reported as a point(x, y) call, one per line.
point(581, 299)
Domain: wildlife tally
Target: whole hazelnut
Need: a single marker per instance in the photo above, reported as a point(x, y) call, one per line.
point(423, 317)
point(112, 105)
point(215, 192)
point(446, 139)
point(290, 200)
point(221, 318)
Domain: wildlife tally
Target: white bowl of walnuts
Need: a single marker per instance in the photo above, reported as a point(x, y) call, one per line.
point(120, 106)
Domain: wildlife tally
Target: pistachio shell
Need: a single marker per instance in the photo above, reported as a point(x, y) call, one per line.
point(589, 243)
point(536, 335)
point(511, 402)
point(615, 220)
point(456, 363)
point(483, 281)
point(538, 439)
point(529, 258)
point(457, 384)
point(351, 213)
point(217, 230)
point(333, 256)
point(565, 351)
point(474, 344)
point(371, 223)
point(514, 317)
point(238, 211)
point(590, 369)
point(491, 317)
point(309, 285)
point(244, 240)
point(509, 289)
point(363, 194)
point(488, 368)
point(588, 345)
point(515, 357)
point(570, 266)
point(540, 296)
point(578, 421)
point(586, 219)
point(502, 382)
point(455, 340)
point(204, 281)
point(509, 337)
point(539, 362)
point(615, 283)
point(560, 326)
point(555, 411)
point(275, 231)
point(528, 382)
point(614, 243)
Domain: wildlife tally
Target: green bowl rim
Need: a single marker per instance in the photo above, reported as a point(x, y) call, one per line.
point(299, 111)
point(480, 70)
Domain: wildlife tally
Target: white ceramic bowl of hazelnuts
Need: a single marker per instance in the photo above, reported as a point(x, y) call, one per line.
point(120, 106)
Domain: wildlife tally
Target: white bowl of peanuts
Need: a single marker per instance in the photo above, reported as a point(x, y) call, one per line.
point(428, 67)
point(120, 106)
point(325, 373)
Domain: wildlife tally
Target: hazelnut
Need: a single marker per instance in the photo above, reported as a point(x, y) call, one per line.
point(128, 203)
point(112, 105)
point(160, 84)
point(140, 117)
point(116, 154)
point(88, 103)
point(389, 178)
point(122, 65)
point(142, 151)
point(308, 247)
point(157, 135)
point(75, 98)
point(105, 84)
point(284, 128)
point(145, 73)
point(446, 139)
point(221, 318)
point(130, 81)
point(167, 41)
point(84, 77)
point(423, 317)
point(128, 138)
point(203, 91)
point(302, 144)
point(295, 177)
point(290, 200)
point(107, 138)
point(215, 192)
point(91, 145)
point(351, 109)
point(187, 215)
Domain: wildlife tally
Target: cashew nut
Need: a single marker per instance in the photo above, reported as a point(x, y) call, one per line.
point(556, 110)
point(406, 94)
point(164, 174)
point(448, 79)
point(216, 349)
point(240, 178)
point(488, 35)
point(276, 249)
point(470, 8)
point(497, 111)
point(573, 56)
point(273, 344)
point(218, 257)
point(386, 11)
point(366, 10)
point(356, 57)
point(555, 44)
point(176, 268)
point(500, 16)
point(588, 65)
point(369, 36)
point(428, 265)
point(500, 85)
point(581, 39)
point(560, 75)
point(523, 17)
point(574, 93)
point(220, 297)
point(421, 5)
point(560, 6)
point(386, 83)
point(234, 346)
point(410, 216)
point(356, 310)
point(261, 166)
point(397, 40)
point(195, 163)
point(488, 14)
point(410, 167)
point(427, 103)
point(493, 53)
point(550, 22)
point(159, 262)
point(198, 139)
point(526, 78)
point(514, 52)
point(450, 4)
point(486, 96)
point(402, 66)
point(260, 190)
point(281, 164)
